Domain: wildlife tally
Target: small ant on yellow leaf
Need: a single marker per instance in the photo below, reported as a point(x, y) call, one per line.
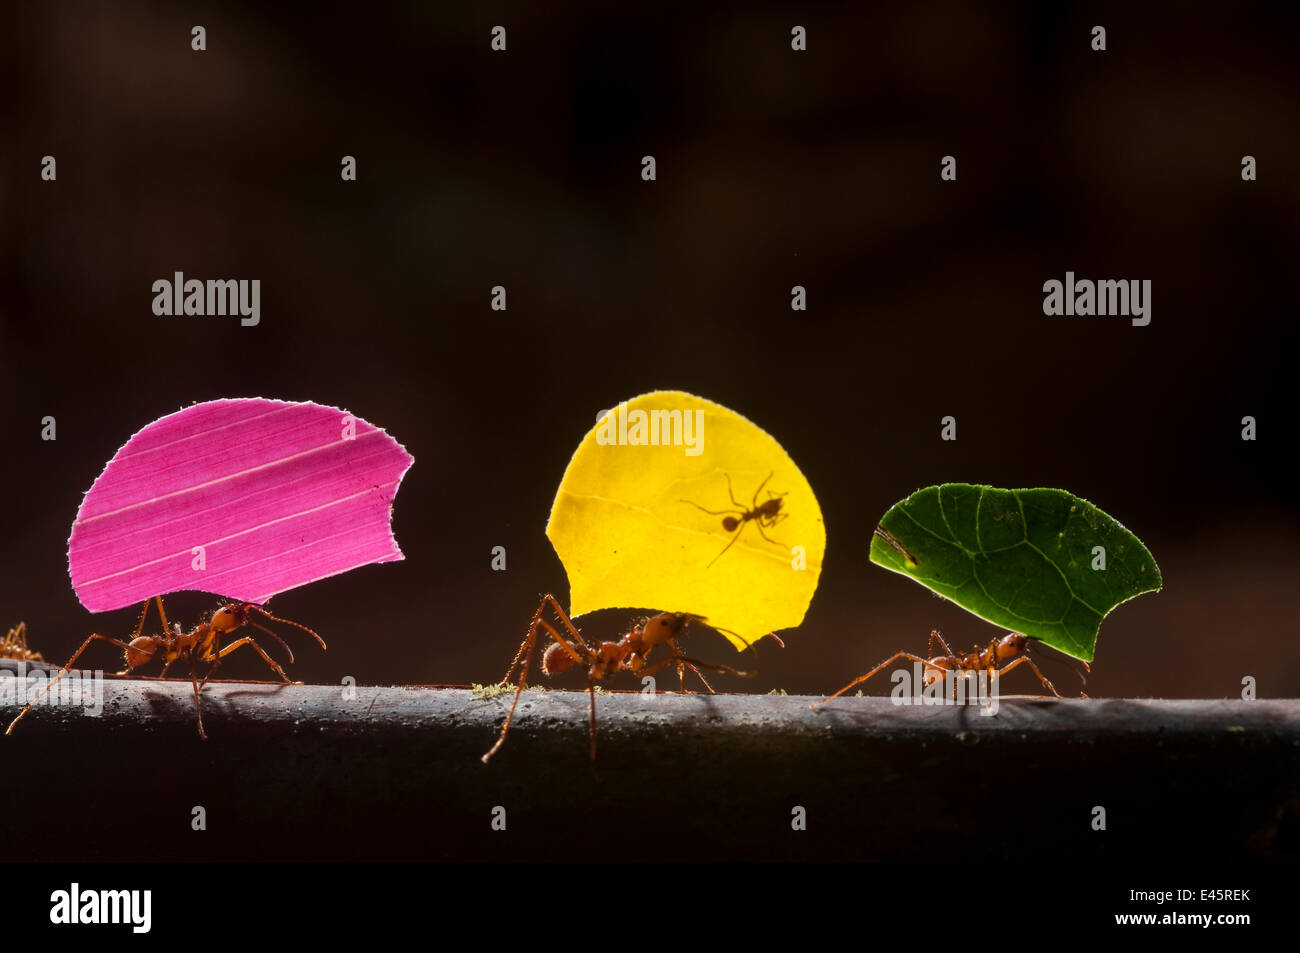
point(14, 645)
point(630, 653)
point(1012, 649)
point(763, 515)
point(201, 644)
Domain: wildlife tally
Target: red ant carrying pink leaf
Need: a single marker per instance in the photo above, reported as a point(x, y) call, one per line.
point(245, 498)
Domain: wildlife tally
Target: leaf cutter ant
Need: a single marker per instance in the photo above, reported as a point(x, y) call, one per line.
point(14, 645)
point(1012, 648)
point(629, 654)
point(201, 644)
point(766, 514)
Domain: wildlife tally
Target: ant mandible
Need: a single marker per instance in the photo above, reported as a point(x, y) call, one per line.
point(1012, 648)
point(629, 654)
point(201, 644)
point(14, 645)
point(765, 514)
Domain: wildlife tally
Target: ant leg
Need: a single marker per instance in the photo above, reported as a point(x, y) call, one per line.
point(198, 704)
point(681, 668)
point(64, 671)
point(990, 666)
point(684, 663)
point(524, 659)
point(161, 614)
point(591, 695)
point(948, 652)
point(758, 524)
point(532, 625)
point(728, 546)
point(858, 681)
point(992, 671)
point(240, 643)
point(731, 493)
point(760, 489)
point(214, 656)
point(712, 512)
point(144, 614)
point(564, 643)
point(22, 638)
point(283, 644)
point(166, 665)
point(17, 638)
point(700, 675)
point(672, 644)
point(139, 631)
point(537, 620)
point(658, 667)
point(694, 663)
point(1041, 677)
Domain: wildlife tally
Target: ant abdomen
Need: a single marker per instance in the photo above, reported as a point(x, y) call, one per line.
point(936, 670)
point(556, 659)
point(141, 651)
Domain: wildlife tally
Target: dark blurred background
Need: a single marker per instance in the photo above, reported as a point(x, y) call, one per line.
point(775, 168)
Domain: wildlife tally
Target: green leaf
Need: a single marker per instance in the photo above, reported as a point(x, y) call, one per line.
point(1022, 559)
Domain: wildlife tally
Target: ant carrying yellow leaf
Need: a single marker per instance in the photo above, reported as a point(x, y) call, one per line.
point(631, 653)
point(201, 644)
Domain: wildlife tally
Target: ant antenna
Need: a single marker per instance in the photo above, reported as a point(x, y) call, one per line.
point(749, 645)
point(1078, 666)
point(296, 625)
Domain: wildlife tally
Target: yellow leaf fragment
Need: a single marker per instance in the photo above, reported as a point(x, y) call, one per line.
point(629, 525)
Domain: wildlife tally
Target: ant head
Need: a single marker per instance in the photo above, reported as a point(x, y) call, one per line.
point(665, 626)
point(230, 616)
point(1011, 646)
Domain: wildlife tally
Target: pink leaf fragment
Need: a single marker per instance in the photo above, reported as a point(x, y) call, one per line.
point(243, 498)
